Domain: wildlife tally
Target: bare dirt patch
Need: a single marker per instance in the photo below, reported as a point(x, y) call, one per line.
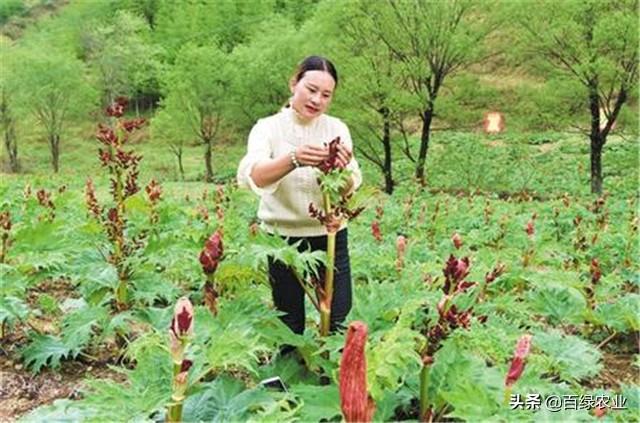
point(22, 391)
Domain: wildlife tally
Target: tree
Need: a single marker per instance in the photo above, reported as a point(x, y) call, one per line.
point(165, 129)
point(591, 43)
point(8, 119)
point(54, 87)
point(195, 96)
point(8, 125)
point(123, 58)
point(431, 41)
point(263, 66)
point(371, 95)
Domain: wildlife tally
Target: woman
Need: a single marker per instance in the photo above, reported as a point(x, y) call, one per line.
point(280, 166)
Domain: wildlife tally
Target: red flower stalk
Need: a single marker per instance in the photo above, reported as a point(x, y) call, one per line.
point(202, 212)
point(44, 198)
point(379, 212)
point(518, 362)
point(116, 109)
point(211, 297)
point(356, 404)
point(530, 228)
point(375, 231)
point(331, 163)
point(495, 273)
point(253, 229)
point(5, 225)
point(107, 136)
point(401, 247)
point(186, 365)
point(182, 322)
point(154, 191)
point(318, 214)
point(91, 200)
point(596, 272)
point(455, 271)
point(5, 220)
point(212, 253)
point(133, 124)
point(457, 240)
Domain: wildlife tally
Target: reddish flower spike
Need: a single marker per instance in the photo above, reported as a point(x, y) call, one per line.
point(375, 231)
point(518, 362)
point(212, 253)
point(182, 322)
point(596, 272)
point(355, 403)
point(331, 163)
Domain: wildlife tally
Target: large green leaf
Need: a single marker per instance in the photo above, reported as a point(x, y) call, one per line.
point(12, 309)
point(227, 399)
point(571, 358)
point(318, 403)
point(46, 350)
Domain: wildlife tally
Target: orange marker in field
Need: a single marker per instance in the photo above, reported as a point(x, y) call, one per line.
point(493, 122)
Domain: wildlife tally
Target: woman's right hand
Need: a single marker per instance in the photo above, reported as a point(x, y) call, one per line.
point(311, 155)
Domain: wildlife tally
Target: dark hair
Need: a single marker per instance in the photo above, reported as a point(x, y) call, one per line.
point(315, 63)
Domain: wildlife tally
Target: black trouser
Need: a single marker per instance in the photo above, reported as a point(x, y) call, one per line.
point(288, 295)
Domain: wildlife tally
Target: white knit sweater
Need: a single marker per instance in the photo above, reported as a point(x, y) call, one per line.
point(284, 205)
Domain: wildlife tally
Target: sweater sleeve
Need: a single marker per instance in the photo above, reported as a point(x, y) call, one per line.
point(258, 149)
point(345, 137)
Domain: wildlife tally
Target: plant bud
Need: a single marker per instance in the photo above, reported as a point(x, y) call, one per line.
point(154, 191)
point(596, 272)
point(375, 231)
point(182, 322)
point(455, 271)
point(457, 240)
point(354, 400)
point(518, 362)
point(212, 253)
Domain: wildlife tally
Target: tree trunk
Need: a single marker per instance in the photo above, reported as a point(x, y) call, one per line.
point(596, 136)
point(54, 145)
point(207, 160)
point(8, 124)
point(386, 142)
point(180, 166)
point(596, 164)
point(11, 143)
point(427, 117)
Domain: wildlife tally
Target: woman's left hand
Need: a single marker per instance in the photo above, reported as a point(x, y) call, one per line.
point(344, 155)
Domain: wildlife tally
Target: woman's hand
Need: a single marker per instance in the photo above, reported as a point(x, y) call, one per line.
point(311, 155)
point(344, 155)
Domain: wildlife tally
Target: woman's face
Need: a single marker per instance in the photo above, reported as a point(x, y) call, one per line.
point(312, 94)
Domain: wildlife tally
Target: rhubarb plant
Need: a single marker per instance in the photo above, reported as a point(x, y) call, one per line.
point(336, 208)
point(122, 167)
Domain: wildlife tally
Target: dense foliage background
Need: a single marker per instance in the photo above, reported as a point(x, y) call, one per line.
point(554, 198)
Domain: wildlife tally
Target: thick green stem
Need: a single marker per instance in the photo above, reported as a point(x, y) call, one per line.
point(424, 387)
point(174, 413)
point(325, 303)
point(174, 410)
point(122, 294)
point(507, 395)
